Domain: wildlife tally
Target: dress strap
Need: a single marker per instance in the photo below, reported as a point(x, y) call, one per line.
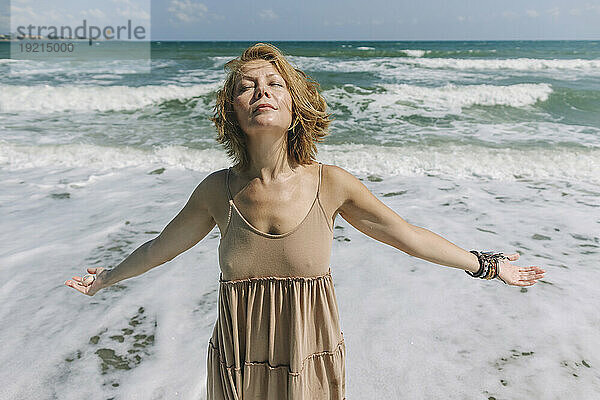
point(320, 174)
point(227, 184)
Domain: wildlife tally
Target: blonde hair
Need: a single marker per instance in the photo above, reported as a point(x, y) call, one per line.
point(309, 117)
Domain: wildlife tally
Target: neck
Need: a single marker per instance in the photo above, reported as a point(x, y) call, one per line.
point(268, 158)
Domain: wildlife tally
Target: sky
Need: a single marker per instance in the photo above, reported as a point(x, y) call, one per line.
point(324, 20)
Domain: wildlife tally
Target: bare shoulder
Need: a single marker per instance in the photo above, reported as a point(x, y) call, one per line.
point(341, 184)
point(337, 174)
point(214, 182)
point(209, 193)
point(339, 178)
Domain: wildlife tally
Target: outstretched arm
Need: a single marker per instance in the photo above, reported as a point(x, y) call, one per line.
point(188, 227)
point(368, 214)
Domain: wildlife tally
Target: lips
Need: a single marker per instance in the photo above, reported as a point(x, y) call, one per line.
point(263, 106)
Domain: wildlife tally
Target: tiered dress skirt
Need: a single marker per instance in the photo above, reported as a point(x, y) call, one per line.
point(277, 338)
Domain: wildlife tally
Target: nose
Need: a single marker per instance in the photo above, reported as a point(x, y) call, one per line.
point(262, 90)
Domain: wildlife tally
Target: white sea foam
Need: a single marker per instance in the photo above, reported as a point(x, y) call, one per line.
point(539, 336)
point(415, 52)
point(402, 99)
point(462, 161)
point(219, 61)
point(467, 161)
point(365, 48)
point(519, 64)
point(11, 60)
point(445, 97)
point(48, 99)
point(32, 68)
point(105, 157)
point(389, 65)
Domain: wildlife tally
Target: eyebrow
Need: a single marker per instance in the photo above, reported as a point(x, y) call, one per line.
point(251, 78)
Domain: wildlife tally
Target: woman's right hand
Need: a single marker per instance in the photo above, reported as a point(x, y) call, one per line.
point(89, 289)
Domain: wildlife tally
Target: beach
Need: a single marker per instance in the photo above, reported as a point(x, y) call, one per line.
point(492, 145)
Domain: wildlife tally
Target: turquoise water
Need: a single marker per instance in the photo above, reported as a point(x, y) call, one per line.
point(492, 145)
point(380, 93)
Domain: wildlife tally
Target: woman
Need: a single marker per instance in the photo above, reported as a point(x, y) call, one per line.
point(277, 334)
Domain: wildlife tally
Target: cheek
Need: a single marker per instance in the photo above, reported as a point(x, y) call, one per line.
point(238, 107)
point(287, 100)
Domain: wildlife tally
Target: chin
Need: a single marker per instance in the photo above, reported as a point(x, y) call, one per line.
point(261, 129)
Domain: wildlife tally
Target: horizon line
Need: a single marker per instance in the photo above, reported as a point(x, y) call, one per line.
point(334, 40)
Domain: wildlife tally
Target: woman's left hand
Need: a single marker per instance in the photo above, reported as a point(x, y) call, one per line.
point(518, 276)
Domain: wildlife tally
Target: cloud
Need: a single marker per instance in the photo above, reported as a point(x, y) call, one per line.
point(532, 13)
point(133, 9)
point(16, 11)
point(592, 7)
point(26, 16)
point(587, 9)
point(187, 10)
point(95, 13)
point(268, 14)
point(133, 13)
point(554, 11)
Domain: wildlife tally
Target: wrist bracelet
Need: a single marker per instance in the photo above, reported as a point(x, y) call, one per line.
point(482, 267)
point(489, 265)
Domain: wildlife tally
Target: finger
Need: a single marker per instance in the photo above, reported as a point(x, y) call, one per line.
point(75, 286)
point(527, 283)
point(531, 269)
point(534, 274)
point(526, 278)
point(78, 279)
point(530, 273)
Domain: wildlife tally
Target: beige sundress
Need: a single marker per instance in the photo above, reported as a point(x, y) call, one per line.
point(277, 334)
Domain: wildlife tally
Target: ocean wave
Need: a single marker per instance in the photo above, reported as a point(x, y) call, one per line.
point(415, 52)
point(467, 161)
point(401, 99)
point(456, 161)
point(48, 99)
point(518, 64)
point(11, 60)
point(389, 65)
point(34, 68)
point(16, 157)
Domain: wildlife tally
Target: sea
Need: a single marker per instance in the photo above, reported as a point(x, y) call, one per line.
point(493, 145)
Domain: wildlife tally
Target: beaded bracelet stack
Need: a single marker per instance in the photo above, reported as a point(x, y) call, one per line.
point(489, 265)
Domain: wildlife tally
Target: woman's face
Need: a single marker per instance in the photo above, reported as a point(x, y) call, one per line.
point(261, 84)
